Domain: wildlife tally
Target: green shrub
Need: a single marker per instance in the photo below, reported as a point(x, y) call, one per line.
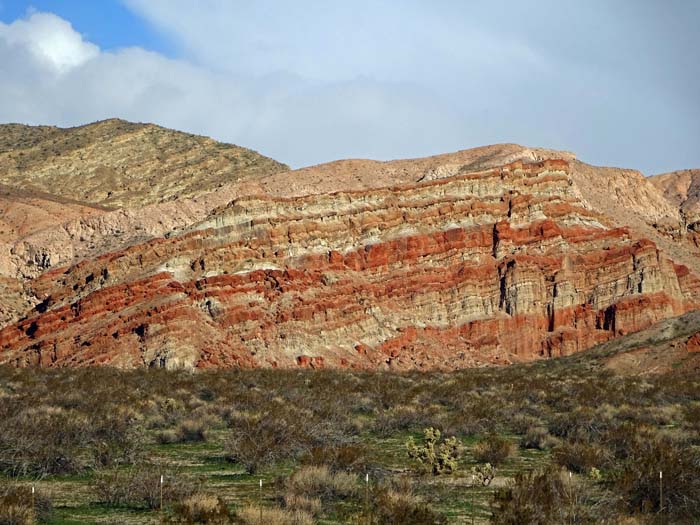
point(483, 474)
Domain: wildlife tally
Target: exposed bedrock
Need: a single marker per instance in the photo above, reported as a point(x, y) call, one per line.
point(487, 267)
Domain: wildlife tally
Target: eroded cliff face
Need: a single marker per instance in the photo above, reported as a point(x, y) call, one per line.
point(682, 190)
point(461, 268)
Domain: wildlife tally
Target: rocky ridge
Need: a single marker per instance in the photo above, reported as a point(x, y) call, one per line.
point(477, 267)
point(484, 256)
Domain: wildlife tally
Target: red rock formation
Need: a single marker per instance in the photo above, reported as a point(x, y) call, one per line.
point(478, 268)
point(693, 344)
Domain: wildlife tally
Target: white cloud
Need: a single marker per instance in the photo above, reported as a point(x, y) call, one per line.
point(305, 83)
point(283, 115)
point(50, 40)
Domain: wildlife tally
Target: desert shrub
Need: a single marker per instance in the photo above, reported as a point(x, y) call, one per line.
point(272, 516)
point(348, 457)
point(199, 508)
point(638, 479)
point(691, 413)
point(14, 511)
point(321, 482)
point(537, 438)
point(520, 423)
point(312, 506)
point(541, 498)
point(258, 441)
point(492, 449)
point(191, 430)
point(435, 455)
point(16, 506)
point(579, 457)
point(49, 440)
point(140, 486)
point(167, 436)
point(580, 424)
point(394, 505)
point(401, 419)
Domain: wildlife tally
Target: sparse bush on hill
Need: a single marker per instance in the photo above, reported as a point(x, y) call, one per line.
point(139, 487)
point(397, 503)
point(199, 509)
point(272, 516)
point(16, 505)
point(51, 440)
point(541, 498)
point(493, 449)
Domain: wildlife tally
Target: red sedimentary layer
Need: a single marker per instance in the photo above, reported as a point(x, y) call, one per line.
point(481, 268)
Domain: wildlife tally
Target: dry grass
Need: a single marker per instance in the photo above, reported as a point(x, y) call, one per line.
point(273, 516)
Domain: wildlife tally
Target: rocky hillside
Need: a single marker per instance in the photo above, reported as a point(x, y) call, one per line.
point(120, 164)
point(682, 189)
point(66, 194)
point(492, 255)
point(478, 267)
point(670, 346)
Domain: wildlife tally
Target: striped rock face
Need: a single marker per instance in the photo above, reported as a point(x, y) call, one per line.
point(466, 269)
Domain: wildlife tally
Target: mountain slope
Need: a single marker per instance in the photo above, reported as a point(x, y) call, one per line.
point(120, 164)
point(490, 266)
point(492, 255)
point(682, 190)
point(672, 345)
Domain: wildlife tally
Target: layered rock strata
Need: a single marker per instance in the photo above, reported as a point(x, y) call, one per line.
point(469, 268)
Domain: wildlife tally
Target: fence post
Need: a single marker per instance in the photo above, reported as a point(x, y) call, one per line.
point(260, 498)
point(661, 494)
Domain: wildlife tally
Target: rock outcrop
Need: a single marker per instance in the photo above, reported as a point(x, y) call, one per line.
point(453, 264)
point(682, 190)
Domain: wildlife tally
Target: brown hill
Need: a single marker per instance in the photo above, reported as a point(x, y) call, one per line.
point(672, 345)
point(120, 164)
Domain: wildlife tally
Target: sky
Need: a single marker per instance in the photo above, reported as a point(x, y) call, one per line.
point(309, 81)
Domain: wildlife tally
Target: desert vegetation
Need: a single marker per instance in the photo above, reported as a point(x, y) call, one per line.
point(561, 441)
